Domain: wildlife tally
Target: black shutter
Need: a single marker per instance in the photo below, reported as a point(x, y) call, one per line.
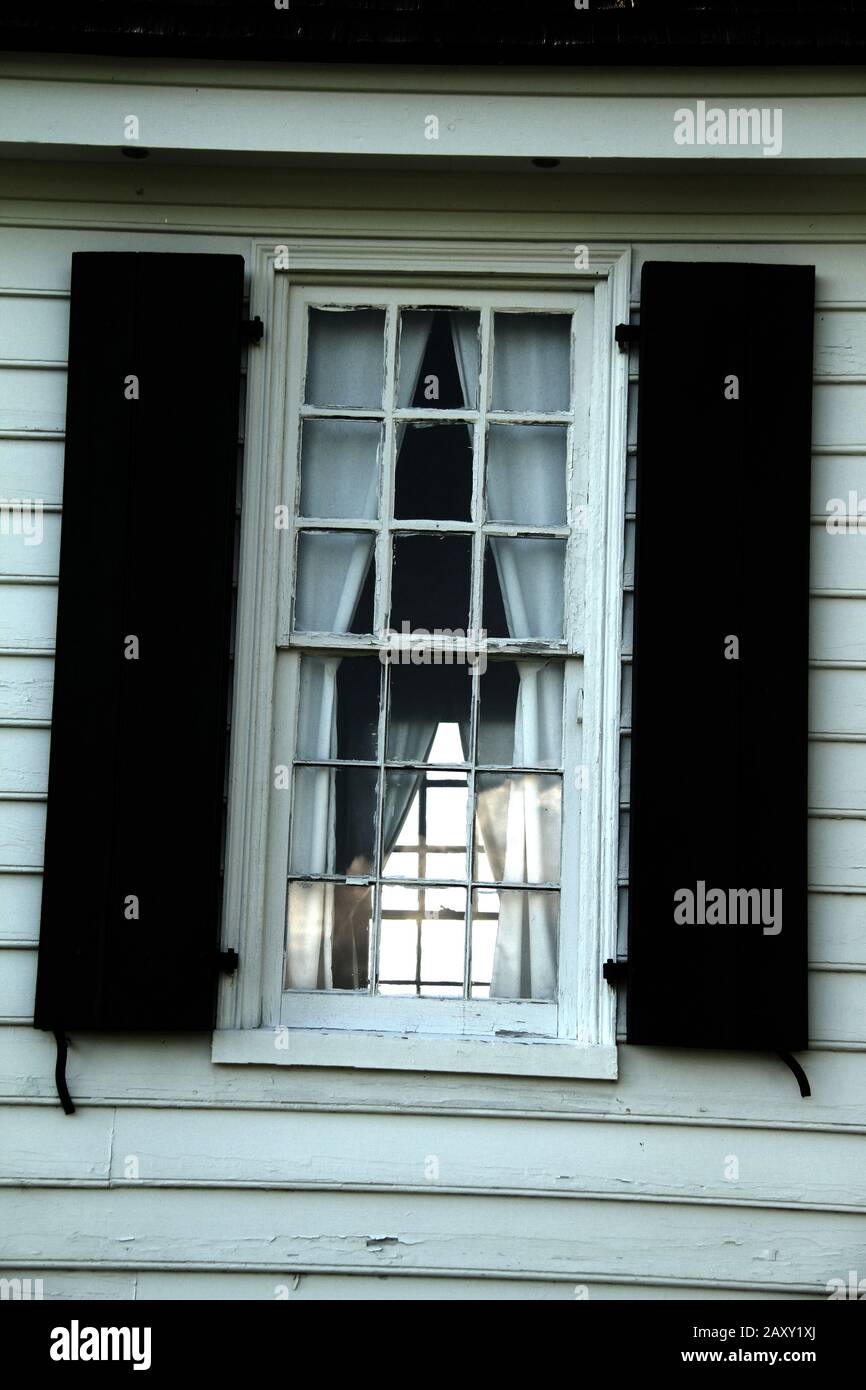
point(135, 789)
point(718, 781)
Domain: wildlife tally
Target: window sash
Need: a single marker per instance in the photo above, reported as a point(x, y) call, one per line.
point(386, 527)
point(500, 272)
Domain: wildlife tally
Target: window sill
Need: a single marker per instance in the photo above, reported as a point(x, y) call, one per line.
point(306, 1047)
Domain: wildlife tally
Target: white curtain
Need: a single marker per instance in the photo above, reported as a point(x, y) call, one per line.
point(332, 570)
point(532, 362)
point(517, 817)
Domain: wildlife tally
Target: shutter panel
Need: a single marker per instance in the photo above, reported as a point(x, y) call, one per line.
point(718, 782)
point(138, 747)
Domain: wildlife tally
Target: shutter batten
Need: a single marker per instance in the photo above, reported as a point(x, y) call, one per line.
point(717, 880)
point(131, 888)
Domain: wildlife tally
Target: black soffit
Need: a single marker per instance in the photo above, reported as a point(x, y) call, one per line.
point(550, 32)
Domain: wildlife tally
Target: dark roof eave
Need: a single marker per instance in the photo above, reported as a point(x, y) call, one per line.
point(694, 33)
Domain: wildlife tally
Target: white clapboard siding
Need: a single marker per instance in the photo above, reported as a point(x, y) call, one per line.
point(394, 1151)
point(20, 902)
point(24, 760)
point(837, 702)
point(837, 775)
point(31, 468)
point(36, 1146)
point(22, 834)
point(837, 853)
point(363, 1231)
point(17, 983)
point(840, 343)
point(33, 328)
point(26, 688)
point(838, 560)
point(837, 629)
point(837, 1007)
point(210, 1146)
point(30, 542)
point(620, 1187)
point(837, 928)
point(835, 476)
point(32, 399)
point(837, 415)
point(28, 617)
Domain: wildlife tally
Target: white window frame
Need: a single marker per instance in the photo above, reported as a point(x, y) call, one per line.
point(340, 1031)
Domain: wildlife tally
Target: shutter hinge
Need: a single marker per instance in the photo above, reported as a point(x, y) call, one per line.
point(615, 971)
point(252, 330)
point(229, 961)
point(627, 335)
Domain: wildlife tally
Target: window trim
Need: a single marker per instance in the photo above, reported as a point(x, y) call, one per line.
point(249, 1003)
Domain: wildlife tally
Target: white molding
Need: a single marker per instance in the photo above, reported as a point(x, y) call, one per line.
point(249, 806)
point(80, 104)
point(358, 255)
point(263, 711)
point(600, 816)
point(307, 1047)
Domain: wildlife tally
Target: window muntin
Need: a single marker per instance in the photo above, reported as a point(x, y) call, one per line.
point(452, 542)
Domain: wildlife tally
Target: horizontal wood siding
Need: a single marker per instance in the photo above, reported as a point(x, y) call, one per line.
point(178, 1178)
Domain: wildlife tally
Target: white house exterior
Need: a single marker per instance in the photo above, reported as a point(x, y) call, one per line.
point(314, 1147)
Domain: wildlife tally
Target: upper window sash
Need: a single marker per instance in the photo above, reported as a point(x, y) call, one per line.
point(575, 422)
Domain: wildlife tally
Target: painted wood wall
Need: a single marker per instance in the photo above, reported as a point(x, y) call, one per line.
point(178, 1178)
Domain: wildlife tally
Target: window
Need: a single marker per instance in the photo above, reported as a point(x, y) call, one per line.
point(437, 574)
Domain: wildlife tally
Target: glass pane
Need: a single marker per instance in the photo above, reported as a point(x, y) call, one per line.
point(520, 714)
point(398, 954)
point(333, 821)
point(435, 806)
point(532, 362)
point(430, 584)
point(434, 472)
point(335, 582)
point(526, 474)
point(517, 827)
point(442, 950)
point(327, 944)
point(429, 707)
point(524, 582)
point(514, 944)
point(340, 468)
point(338, 707)
point(346, 358)
point(438, 359)
point(421, 941)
